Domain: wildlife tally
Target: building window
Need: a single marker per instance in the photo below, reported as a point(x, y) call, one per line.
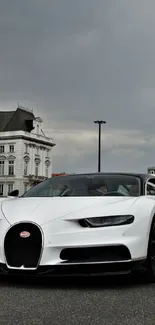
point(11, 167)
point(47, 154)
point(1, 189)
point(2, 168)
point(37, 150)
point(10, 188)
point(25, 188)
point(26, 148)
point(25, 168)
point(12, 148)
point(46, 172)
point(151, 171)
point(36, 170)
point(1, 149)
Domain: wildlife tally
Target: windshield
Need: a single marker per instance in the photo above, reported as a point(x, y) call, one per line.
point(87, 186)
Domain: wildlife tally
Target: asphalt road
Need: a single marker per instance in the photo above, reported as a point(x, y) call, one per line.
point(68, 302)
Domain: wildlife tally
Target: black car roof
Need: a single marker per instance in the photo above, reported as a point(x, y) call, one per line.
point(140, 175)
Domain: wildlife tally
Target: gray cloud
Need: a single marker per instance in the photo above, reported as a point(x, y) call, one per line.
point(75, 61)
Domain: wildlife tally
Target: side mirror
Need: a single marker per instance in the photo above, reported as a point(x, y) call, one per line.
point(14, 193)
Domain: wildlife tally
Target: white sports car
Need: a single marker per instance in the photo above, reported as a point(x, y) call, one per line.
point(101, 223)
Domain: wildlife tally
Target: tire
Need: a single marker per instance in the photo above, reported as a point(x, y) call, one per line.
point(149, 273)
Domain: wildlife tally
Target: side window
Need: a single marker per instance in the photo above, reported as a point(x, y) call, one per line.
point(150, 189)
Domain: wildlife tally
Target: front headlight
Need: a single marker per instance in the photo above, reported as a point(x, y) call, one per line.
point(117, 220)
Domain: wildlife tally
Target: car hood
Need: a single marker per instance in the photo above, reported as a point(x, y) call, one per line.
point(43, 210)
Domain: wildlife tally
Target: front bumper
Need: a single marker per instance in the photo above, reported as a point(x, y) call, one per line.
point(58, 238)
point(106, 269)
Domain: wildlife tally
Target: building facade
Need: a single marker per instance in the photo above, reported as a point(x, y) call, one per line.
point(25, 151)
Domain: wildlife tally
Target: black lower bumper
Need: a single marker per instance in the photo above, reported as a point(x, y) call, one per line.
point(77, 270)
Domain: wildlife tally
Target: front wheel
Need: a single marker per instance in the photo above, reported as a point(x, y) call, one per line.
point(149, 274)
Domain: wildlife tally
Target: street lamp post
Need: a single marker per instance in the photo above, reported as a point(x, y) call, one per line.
point(99, 122)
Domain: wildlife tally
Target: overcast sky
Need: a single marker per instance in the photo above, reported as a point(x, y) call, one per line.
point(74, 61)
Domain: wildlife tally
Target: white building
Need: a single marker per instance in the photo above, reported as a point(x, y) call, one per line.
point(25, 151)
point(151, 170)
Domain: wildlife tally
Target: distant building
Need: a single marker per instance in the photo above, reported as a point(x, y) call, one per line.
point(25, 151)
point(151, 170)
